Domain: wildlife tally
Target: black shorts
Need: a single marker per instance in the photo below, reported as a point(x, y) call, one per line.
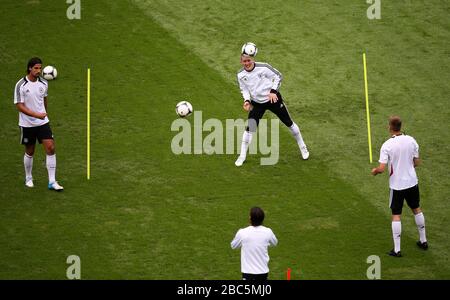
point(28, 135)
point(411, 196)
point(257, 277)
point(278, 108)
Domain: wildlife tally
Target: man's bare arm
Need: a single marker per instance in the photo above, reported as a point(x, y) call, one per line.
point(378, 170)
point(22, 108)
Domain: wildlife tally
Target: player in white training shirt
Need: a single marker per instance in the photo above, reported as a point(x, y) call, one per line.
point(401, 154)
point(259, 84)
point(30, 98)
point(254, 241)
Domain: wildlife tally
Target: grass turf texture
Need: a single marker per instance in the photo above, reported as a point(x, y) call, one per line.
point(149, 214)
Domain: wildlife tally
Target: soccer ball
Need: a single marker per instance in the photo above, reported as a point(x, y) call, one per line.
point(49, 73)
point(249, 49)
point(183, 109)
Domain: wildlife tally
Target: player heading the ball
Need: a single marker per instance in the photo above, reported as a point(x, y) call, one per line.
point(260, 84)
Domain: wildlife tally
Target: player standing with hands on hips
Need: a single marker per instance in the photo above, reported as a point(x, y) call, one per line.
point(259, 84)
point(401, 152)
point(30, 98)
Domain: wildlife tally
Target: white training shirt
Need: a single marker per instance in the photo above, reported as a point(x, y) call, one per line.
point(399, 151)
point(256, 84)
point(32, 95)
point(254, 241)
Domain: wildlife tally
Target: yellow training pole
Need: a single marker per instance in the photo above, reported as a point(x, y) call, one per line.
point(88, 123)
point(367, 107)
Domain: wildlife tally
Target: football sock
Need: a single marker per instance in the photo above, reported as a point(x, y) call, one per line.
point(51, 167)
point(297, 135)
point(396, 234)
point(28, 163)
point(246, 140)
point(420, 222)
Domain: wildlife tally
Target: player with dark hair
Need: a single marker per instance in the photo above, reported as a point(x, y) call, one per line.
point(259, 84)
point(254, 241)
point(401, 152)
point(30, 98)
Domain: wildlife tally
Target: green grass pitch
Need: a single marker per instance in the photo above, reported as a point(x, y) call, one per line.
point(149, 214)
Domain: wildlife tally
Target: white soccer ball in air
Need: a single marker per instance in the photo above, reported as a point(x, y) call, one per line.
point(49, 73)
point(249, 49)
point(183, 109)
